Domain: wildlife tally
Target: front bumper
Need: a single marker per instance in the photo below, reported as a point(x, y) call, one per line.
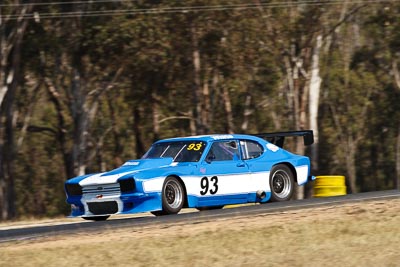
point(89, 205)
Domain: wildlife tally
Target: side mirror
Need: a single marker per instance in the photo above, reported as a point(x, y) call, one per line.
point(210, 158)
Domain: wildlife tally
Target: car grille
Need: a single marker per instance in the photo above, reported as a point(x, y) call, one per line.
point(107, 207)
point(103, 189)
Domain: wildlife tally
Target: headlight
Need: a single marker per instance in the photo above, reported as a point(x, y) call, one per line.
point(127, 185)
point(73, 189)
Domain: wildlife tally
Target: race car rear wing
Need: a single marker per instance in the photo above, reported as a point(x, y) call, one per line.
point(278, 138)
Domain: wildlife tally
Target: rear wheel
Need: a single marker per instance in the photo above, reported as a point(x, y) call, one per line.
point(173, 197)
point(281, 181)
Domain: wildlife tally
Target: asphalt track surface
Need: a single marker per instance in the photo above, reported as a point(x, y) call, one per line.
point(33, 232)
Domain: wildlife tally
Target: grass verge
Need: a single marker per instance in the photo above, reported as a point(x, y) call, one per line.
point(361, 234)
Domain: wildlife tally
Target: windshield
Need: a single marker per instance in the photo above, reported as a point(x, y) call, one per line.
point(180, 151)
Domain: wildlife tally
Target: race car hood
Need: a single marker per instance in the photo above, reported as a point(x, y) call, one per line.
point(128, 168)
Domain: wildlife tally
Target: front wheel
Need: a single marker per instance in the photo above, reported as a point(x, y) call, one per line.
point(282, 183)
point(173, 197)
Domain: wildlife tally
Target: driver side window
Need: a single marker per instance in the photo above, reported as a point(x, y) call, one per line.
point(223, 150)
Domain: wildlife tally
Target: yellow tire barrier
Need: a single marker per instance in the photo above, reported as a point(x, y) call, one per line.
point(330, 185)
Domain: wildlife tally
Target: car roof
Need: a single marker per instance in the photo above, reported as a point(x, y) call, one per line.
point(213, 137)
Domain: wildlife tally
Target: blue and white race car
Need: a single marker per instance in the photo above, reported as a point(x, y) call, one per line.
point(202, 172)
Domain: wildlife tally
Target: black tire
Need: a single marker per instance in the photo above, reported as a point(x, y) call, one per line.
point(210, 208)
point(97, 218)
point(173, 197)
point(281, 180)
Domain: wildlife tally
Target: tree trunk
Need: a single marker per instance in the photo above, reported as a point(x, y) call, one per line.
point(155, 108)
point(351, 163)
point(396, 75)
point(315, 84)
point(10, 57)
point(313, 105)
point(228, 110)
point(80, 118)
point(247, 113)
point(197, 83)
point(290, 89)
point(397, 176)
point(207, 105)
point(137, 121)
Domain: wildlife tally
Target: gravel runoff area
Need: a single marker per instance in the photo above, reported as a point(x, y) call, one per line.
point(359, 234)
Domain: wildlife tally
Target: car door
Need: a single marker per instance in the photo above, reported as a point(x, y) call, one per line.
point(224, 175)
point(251, 153)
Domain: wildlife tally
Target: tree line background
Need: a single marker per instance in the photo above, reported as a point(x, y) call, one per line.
point(87, 85)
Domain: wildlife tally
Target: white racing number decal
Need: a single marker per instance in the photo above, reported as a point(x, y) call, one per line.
point(209, 185)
